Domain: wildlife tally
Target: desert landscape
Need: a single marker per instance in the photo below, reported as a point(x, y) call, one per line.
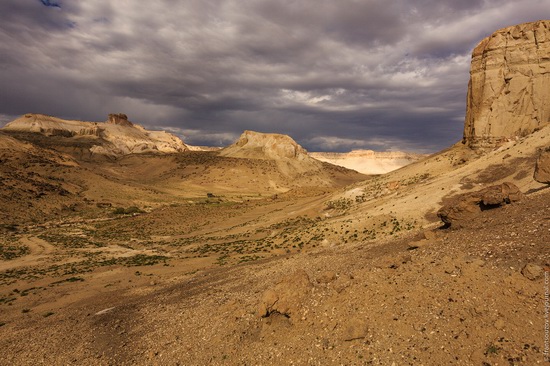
point(125, 246)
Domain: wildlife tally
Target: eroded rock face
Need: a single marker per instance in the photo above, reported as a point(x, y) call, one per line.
point(509, 89)
point(542, 168)
point(461, 210)
point(119, 119)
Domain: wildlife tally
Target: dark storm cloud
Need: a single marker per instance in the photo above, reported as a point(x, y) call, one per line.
point(333, 75)
point(53, 4)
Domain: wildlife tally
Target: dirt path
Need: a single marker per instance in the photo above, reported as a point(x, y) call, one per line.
point(40, 251)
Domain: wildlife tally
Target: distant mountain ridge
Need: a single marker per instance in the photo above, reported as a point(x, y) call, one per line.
point(369, 161)
point(115, 137)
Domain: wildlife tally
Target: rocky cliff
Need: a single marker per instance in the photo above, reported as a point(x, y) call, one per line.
point(116, 137)
point(509, 88)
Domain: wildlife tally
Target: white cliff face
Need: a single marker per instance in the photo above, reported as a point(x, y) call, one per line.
point(116, 137)
point(509, 88)
point(368, 161)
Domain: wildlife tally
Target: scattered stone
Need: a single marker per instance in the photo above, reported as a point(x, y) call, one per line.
point(327, 277)
point(499, 324)
point(532, 271)
point(355, 329)
point(430, 235)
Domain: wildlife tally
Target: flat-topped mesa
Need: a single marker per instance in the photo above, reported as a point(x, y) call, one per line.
point(256, 145)
point(509, 88)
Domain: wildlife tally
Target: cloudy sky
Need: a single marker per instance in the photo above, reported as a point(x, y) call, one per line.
point(336, 75)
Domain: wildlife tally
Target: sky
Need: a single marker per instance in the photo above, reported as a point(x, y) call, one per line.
point(335, 75)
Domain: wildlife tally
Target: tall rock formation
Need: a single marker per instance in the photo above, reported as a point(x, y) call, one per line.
point(509, 88)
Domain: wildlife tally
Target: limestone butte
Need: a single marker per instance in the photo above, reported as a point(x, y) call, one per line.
point(270, 146)
point(509, 89)
point(291, 159)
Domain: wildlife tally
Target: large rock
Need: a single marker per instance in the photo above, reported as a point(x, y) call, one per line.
point(460, 211)
point(542, 168)
point(287, 297)
point(509, 89)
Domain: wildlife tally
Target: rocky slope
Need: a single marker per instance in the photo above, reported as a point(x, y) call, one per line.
point(116, 137)
point(368, 161)
point(508, 91)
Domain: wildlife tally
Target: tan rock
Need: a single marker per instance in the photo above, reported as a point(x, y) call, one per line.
point(287, 296)
point(542, 168)
point(463, 208)
point(532, 271)
point(356, 328)
point(508, 89)
point(326, 277)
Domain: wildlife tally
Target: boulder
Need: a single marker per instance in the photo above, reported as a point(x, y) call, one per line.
point(542, 168)
point(463, 208)
point(508, 89)
point(287, 296)
point(532, 271)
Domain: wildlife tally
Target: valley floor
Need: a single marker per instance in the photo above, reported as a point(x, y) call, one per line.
point(439, 297)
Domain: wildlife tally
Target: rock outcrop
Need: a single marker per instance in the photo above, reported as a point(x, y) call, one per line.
point(542, 167)
point(119, 119)
point(116, 137)
point(287, 297)
point(509, 89)
point(270, 146)
point(460, 211)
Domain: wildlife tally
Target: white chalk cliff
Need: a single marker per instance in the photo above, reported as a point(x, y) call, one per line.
point(368, 161)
